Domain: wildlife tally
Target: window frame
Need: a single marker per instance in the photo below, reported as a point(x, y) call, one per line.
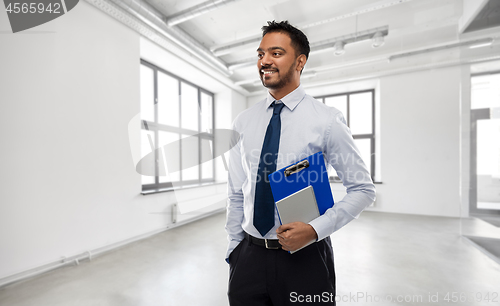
point(370, 136)
point(155, 127)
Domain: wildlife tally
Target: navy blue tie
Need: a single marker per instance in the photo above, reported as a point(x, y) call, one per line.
point(263, 214)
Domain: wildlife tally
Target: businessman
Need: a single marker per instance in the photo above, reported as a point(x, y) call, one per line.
point(286, 126)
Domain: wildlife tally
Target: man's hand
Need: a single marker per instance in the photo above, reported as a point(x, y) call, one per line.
point(293, 236)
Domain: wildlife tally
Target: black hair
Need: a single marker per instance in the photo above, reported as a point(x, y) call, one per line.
point(299, 40)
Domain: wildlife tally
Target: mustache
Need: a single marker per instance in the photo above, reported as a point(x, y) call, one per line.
point(268, 67)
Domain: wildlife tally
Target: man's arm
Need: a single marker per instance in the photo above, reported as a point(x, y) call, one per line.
point(236, 177)
point(341, 152)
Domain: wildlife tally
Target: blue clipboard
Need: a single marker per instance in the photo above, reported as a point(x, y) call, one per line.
point(310, 171)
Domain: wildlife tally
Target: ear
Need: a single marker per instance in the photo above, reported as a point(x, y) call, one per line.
point(301, 62)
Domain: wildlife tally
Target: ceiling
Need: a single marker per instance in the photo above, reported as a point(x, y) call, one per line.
point(488, 16)
point(422, 34)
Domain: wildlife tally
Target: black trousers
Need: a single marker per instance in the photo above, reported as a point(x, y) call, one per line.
point(260, 276)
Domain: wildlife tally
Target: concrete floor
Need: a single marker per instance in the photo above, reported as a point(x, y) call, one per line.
point(380, 256)
point(491, 219)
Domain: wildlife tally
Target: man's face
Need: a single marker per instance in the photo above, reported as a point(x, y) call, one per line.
point(277, 60)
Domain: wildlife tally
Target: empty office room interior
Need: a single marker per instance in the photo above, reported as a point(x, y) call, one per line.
point(116, 117)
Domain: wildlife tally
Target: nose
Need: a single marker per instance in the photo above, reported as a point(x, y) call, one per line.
point(266, 60)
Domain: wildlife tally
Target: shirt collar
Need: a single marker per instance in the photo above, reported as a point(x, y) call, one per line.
point(291, 100)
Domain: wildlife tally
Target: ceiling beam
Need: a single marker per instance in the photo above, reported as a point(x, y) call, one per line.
point(470, 10)
point(196, 11)
point(470, 43)
point(156, 20)
point(228, 48)
point(322, 45)
point(349, 39)
point(493, 56)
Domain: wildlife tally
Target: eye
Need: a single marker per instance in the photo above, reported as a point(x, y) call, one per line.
point(260, 55)
point(276, 53)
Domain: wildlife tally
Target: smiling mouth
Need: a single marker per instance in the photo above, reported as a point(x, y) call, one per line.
point(267, 72)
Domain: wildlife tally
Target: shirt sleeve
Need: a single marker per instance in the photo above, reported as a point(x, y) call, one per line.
point(341, 152)
point(235, 180)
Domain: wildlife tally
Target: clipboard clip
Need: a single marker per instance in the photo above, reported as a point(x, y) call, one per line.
point(296, 168)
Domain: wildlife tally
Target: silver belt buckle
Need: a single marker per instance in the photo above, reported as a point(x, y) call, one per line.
point(268, 247)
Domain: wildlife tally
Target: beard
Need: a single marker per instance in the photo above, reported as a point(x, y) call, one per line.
point(281, 81)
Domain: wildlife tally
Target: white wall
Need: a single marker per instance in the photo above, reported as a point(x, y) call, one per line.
point(420, 142)
point(68, 89)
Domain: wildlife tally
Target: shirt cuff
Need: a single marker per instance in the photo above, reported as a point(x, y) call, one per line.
point(323, 226)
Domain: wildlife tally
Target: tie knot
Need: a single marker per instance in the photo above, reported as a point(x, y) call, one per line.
point(277, 107)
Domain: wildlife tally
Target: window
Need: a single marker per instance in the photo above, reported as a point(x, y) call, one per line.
point(358, 109)
point(484, 198)
point(176, 131)
point(485, 91)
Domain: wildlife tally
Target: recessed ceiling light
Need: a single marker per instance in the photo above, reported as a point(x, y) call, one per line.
point(378, 40)
point(339, 48)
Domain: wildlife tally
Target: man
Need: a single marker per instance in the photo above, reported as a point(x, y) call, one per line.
point(282, 129)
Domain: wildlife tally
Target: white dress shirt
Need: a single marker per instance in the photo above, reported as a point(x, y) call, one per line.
point(307, 127)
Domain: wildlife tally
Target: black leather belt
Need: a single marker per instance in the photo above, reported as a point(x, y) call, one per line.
point(272, 244)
